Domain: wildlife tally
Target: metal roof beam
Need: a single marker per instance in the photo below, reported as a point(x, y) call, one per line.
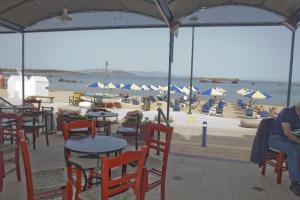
point(10, 26)
point(164, 10)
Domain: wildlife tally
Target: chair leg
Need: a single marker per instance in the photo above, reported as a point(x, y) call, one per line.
point(34, 138)
point(67, 193)
point(1, 171)
point(78, 183)
point(263, 168)
point(17, 158)
point(144, 184)
point(163, 189)
point(47, 139)
point(280, 159)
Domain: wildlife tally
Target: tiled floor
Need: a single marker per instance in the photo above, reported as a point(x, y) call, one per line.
point(189, 177)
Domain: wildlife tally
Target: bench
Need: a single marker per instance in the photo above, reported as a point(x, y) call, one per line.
point(42, 98)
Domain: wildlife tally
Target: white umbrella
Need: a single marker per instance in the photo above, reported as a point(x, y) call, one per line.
point(186, 90)
point(152, 87)
point(144, 87)
point(243, 91)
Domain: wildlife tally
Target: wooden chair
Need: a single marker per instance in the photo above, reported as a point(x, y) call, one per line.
point(44, 184)
point(36, 104)
point(103, 126)
point(130, 129)
point(127, 185)
point(277, 160)
point(34, 122)
point(158, 140)
point(8, 149)
point(77, 162)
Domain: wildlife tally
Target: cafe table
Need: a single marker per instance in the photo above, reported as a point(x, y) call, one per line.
point(102, 114)
point(94, 146)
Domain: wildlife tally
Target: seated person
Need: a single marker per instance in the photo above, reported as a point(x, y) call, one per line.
point(281, 139)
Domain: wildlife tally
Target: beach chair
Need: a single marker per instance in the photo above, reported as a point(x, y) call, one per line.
point(243, 106)
point(239, 102)
point(205, 108)
point(264, 114)
point(75, 99)
point(249, 113)
point(220, 110)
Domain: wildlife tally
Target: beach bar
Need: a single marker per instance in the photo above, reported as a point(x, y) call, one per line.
point(189, 175)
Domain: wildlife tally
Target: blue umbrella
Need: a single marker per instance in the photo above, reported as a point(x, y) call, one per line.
point(212, 92)
point(96, 85)
point(176, 89)
point(256, 94)
point(120, 85)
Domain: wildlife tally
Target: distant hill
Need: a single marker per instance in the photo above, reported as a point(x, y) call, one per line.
point(154, 74)
point(41, 72)
point(101, 72)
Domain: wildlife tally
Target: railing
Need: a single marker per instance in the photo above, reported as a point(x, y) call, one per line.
point(5, 101)
point(162, 114)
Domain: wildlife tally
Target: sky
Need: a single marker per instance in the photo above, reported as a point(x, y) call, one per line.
point(248, 53)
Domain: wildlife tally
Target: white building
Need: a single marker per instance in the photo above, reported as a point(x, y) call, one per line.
point(14, 87)
point(35, 86)
point(39, 86)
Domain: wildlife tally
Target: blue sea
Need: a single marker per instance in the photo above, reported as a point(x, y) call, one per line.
point(278, 90)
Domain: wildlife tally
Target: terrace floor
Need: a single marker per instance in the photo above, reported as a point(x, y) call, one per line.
point(194, 177)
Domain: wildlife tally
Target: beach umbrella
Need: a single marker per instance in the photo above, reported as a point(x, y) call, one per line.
point(176, 89)
point(186, 90)
point(110, 86)
point(243, 91)
point(96, 85)
point(256, 94)
point(221, 89)
point(132, 87)
point(212, 92)
point(120, 85)
point(152, 87)
point(163, 88)
point(145, 87)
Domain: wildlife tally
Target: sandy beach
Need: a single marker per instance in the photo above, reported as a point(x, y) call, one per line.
point(226, 139)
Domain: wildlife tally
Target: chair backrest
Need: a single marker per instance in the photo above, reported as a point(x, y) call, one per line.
point(129, 180)
point(90, 124)
point(14, 120)
point(158, 137)
point(27, 165)
point(35, 103)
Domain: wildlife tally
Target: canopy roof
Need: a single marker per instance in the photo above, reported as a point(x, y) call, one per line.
point(22, 15)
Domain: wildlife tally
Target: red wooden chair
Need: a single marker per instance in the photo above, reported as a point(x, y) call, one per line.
point(128, 185)
point(155, 174)
point(10, 124)
point(44, 184)
point(77, 162)
point(275, 159)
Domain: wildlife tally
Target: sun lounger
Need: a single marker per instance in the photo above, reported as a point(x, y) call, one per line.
point(249, 113)
point(220, 110)
point(205, 108)
point(264, 114)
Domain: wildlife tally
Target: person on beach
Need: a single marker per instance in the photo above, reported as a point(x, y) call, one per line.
point(282, 139)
